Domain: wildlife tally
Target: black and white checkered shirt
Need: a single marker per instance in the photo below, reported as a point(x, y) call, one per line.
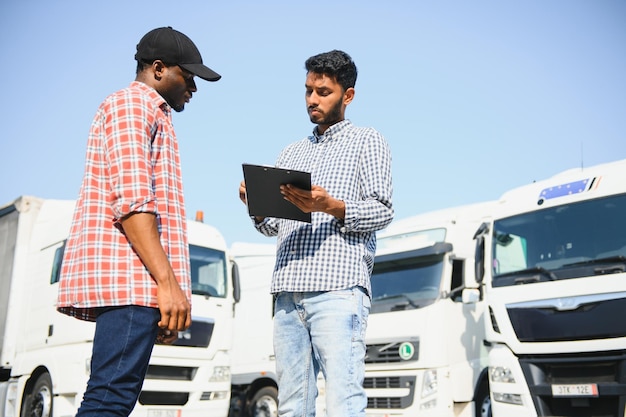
point(354, 165)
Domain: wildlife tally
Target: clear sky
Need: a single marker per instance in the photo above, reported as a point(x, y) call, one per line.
point(474, 97)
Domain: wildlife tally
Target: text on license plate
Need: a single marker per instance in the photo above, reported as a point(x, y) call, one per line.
point(164, 413)
point(575, 390)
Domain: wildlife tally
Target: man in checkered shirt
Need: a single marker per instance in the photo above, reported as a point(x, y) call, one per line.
point(322, 275)
point(126, 262)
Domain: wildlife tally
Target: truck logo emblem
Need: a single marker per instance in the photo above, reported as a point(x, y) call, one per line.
point(406, 351)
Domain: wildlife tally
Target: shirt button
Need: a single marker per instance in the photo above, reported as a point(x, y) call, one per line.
point(343, 229)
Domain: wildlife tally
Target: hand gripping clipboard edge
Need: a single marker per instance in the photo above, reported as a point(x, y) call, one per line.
point(263, 191)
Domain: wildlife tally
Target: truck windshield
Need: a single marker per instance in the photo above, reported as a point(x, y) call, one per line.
point(208, 271)
point(405, 284)
point(574, 240)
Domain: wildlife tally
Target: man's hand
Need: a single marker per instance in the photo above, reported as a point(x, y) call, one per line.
point(242, 197)
point(166, 337)
point(242, 192)
point(317, 199)
point(174, 307)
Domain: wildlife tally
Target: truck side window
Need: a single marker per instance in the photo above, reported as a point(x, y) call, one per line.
point(56, 264)
point(456, 285)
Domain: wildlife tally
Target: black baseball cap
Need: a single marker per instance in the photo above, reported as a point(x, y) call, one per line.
point(174, 47)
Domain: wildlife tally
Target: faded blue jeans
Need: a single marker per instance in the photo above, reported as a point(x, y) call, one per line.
point(122, 346)
point(321, 331)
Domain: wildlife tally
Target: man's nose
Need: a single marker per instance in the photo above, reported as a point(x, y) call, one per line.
point(191, 85)
point(312, 98)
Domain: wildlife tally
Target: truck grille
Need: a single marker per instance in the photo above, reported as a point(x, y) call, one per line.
point(382, 382)
point(197, 335)
point(163, 398)
point(390, 352)
point(386, 402)
point(176, 373)
point(592, 320)
point(608, 371)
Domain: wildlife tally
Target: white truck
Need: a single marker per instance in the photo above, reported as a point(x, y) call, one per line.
point(253, 367)
point(553, 263)
point(45, 355)
point(425, 352)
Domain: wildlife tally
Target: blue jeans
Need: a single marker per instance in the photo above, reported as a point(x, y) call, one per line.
point(321, 331)
point(122, 346)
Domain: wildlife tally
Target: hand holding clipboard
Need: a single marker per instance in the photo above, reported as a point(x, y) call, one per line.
point(263, 194)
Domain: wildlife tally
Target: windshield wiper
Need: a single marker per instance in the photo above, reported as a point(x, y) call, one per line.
point(618, 259)
point(404, 296)
point(536, 271)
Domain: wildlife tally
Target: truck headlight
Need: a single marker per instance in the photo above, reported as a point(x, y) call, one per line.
point(429, 383)
point(501, 374)
point(216, 395)
point(220, 374)
point(507, 398)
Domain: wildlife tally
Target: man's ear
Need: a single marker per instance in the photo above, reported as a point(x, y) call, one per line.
point(348, 96)
point(157, 68)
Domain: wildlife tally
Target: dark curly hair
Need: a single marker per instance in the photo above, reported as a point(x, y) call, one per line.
point(336, 64)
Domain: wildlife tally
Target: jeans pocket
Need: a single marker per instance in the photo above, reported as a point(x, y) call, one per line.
point(362, 310)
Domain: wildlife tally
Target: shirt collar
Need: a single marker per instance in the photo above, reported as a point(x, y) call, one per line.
point(154, 95)
point(331, 132)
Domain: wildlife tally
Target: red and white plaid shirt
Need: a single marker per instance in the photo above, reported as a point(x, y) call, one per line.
point(132, 165)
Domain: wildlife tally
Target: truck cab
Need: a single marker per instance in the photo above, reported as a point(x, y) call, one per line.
point(553, 262)
point(425, 353)
point(45, 355)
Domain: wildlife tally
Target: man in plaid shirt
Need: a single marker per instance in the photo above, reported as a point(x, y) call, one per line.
point(322, 274)
point(126, 261)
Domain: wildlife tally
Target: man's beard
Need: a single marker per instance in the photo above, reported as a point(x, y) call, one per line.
point(333, 116)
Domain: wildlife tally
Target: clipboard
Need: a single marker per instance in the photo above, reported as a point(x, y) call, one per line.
point(263, 191)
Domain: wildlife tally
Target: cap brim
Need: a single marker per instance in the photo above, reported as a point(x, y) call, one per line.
point(202, 71)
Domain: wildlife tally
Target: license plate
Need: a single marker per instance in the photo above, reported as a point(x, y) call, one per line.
point(575, 390)
point(163, 413)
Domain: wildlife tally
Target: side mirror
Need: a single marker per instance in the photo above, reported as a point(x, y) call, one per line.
point(470, 295)
point(479, 254)
point(479, 260)
point(236, 282)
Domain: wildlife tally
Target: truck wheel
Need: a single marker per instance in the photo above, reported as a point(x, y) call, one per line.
point(37, 401)
point(483, 401)
point(264, 403)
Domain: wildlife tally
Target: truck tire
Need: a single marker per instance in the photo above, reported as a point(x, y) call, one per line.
point(264, 403)
point(37, 400)
point(483, 401)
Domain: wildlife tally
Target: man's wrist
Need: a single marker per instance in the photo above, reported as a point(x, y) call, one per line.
point(339, 209)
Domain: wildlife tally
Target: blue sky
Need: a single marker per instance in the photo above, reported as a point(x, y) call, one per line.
point(474, 97)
